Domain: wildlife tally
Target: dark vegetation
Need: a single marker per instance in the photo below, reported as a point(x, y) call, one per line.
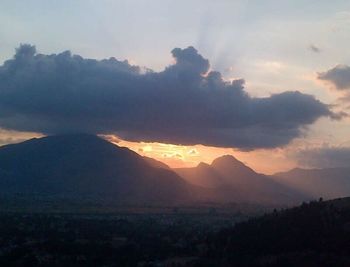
point(313, 234)
point(157, 239)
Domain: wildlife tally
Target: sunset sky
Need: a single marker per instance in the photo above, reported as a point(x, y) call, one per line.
point(266, 81)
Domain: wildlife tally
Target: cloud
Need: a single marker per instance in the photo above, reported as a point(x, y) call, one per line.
point(186, 103)
point(8, 140)
point(193, 152)
point(314, 48)
point(324, 157)
point(10, 137)
point(339, 76)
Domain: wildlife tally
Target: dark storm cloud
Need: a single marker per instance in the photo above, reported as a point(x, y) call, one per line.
point(184, 104)
point(324, 157)
point(339, 76)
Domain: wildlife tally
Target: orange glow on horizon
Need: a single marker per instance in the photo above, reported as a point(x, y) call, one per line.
point(178, 156)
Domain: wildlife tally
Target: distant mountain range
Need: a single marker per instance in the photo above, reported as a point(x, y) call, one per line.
point(84, 166)
point(297, 183)
point(235, 181)
point(327, 183)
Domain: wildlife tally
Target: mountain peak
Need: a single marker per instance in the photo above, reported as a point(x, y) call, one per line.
point(229, 164)
point(66, 143)
point(226, 159)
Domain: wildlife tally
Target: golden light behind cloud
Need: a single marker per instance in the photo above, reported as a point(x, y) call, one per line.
point(178, 156)
point(9, 136)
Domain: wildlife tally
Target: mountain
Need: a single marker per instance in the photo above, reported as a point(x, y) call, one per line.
point(327, 183)
point(202, 175)
point(234, 181)
point(156, 163)
point(84, 166)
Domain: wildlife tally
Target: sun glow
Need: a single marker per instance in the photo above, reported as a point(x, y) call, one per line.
point(178, 156)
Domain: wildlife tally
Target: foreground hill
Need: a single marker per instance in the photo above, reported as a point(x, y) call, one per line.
point(86, 167)
point(314, 234)
point(238, 182)
point(327, 183)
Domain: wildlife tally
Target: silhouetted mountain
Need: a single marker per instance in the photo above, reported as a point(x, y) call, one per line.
point(313, 234)
point(228, 165)
point(234, 181)
point(156, 163)
point(202, 175)
point(327, 183)
point(85, 166)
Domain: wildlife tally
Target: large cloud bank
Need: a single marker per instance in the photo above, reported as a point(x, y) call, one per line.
point(184, 104)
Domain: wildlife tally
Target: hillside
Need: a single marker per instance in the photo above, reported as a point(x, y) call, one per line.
point(314, 234)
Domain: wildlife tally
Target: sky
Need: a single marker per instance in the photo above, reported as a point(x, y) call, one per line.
point(268, 83)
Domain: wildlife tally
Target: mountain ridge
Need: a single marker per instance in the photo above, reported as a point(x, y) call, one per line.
point(239, 182)
point(83, 165)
